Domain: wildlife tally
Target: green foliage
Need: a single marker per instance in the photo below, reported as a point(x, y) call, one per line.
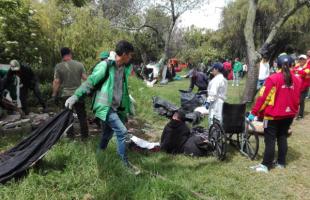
point(20, 34)
point(293, 33)
point(199, 47)
point(150, 40)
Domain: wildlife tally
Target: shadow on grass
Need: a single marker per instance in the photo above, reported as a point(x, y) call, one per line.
point(292, 155)
point(120, 184)
point(43, 166)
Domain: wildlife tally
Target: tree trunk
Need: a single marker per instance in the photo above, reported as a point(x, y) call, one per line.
point(252, 55)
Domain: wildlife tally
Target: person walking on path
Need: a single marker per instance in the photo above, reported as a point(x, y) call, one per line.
point(277, 103)
point(67, 78)
point(237, 68)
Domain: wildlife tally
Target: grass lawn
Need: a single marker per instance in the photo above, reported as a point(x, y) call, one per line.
point(73, 169)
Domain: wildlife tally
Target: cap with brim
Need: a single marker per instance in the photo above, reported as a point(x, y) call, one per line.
point(15, 66)
point(302, 57)
point(217, 66)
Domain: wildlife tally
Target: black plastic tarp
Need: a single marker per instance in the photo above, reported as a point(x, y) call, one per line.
point(167, 109)
point(34, 147)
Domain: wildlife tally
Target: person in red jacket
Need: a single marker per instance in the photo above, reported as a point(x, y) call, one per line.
point(302, 70)
point(278, 103)
point(228, 68)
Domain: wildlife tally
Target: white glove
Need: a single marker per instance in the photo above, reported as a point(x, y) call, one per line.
point(71, 101)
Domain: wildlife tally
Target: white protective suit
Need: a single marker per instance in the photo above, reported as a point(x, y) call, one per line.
point(217, 89)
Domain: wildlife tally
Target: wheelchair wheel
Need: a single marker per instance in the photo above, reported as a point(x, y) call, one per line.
point(249, 143)
point(218, 139)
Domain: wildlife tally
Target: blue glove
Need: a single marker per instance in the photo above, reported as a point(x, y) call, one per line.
point(207, 104)
point(251, 117)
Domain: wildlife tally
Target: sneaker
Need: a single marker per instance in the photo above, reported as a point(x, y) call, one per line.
point(260, 168)
point(233, 85)
point(133, 169)
point(237, 85)
point(279, 166)
point(276, 165)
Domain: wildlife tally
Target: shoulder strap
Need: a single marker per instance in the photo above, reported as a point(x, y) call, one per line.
point(106, 76)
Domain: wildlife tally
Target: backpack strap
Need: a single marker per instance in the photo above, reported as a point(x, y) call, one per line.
point(106, 76)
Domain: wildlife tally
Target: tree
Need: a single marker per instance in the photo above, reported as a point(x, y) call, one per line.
point(175, 8)
point(20, 33)
point(254, 54)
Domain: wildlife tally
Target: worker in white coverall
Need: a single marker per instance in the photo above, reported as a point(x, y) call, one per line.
point(217, 89)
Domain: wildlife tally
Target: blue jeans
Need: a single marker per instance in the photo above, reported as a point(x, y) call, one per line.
point(236, 78)
point(260, 84)
point(113, 124)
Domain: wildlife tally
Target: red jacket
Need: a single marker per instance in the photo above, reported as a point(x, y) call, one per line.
point(276, 101)
point(227, 66)
point(304, 74)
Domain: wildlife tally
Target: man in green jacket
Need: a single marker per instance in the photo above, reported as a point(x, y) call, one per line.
point(111, 103)
point(237, 68)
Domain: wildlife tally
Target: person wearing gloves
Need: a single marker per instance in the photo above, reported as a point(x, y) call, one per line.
point(67, 78)
point(111, 102)
point(217, 90)
point(277, 103)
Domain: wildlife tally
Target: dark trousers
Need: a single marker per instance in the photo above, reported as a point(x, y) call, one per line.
point(79, 108)
point(276, 131)
point(24, 96)
point(303, 96)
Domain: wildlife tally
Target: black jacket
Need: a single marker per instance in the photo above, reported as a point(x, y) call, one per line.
point(26, 75)
point(174, 136)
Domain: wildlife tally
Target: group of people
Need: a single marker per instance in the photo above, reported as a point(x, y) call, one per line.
point(281, 97)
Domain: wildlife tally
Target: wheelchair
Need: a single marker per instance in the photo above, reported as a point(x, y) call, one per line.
point(235, 130)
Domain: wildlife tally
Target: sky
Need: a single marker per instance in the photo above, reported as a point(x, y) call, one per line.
point(207, 16)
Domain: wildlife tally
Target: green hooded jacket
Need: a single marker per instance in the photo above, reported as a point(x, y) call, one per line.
point(102, 99)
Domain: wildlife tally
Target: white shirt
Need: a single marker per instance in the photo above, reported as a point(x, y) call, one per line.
point(263, 71)
point(217, 88)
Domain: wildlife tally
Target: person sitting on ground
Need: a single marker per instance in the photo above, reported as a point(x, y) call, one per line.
point(198, 79)
point(217, 90)
point(177, 138)
point(175, 134)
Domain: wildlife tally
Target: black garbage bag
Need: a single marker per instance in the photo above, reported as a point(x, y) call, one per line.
point(189, 101)
point(164, 107)
point(196, 144)
point(193, 117)
point(33, 148)
point(167, 109)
